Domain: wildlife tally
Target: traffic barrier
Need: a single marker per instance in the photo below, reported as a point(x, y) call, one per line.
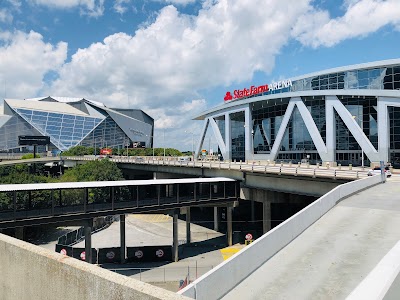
point(66, 250)
point(79, 253)
point(109, 255)
point(149, 253)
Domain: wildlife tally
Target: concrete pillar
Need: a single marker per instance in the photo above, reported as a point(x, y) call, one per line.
point(252, 211)
point(19, 233)
point(266, 216)
point(122, 237)
point(216, 221)
point(188, 237)
point(229, 225)
point(88, 240)
point(175, 236)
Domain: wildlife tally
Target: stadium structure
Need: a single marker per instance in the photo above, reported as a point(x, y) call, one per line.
point(71, 122)
point(346, 115)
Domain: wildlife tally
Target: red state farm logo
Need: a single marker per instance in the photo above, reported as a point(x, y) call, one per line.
point(228, 96)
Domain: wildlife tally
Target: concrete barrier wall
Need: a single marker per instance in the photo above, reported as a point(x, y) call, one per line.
point(30, 272)
point(226, 276)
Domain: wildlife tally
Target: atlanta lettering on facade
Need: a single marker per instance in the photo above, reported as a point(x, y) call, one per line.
point(255, 90)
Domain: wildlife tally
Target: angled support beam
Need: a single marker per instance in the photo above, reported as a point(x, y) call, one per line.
point(218, 136)
point(312, 128)
point(281, 131)
point(356, 131)
point(203, 135)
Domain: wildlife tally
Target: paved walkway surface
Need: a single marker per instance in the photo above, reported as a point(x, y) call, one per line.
point(335, 254)
point(206, 251)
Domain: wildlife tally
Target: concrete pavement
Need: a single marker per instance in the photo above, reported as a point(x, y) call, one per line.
point(333, 255)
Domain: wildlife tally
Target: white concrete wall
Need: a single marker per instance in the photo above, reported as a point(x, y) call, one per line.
point(30, 272)
point(227, 275)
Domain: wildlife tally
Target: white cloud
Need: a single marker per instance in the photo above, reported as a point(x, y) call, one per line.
point(120, 6)
point(93, 8)
point(178, 55)
point(5, 16)
point(25, 60)
point(180, 2)
point(361, 18)
point(165, 64)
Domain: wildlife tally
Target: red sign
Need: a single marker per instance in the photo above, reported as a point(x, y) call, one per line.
point(255, 90)
point(83, 255)
point(63, 252)
point(105, 151)
point(248, 237)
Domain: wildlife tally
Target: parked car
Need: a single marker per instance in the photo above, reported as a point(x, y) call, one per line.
point(377, 171)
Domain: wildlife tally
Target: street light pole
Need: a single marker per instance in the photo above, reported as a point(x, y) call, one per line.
point(164, 141)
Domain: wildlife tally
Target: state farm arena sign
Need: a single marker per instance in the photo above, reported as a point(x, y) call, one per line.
point(256, 90)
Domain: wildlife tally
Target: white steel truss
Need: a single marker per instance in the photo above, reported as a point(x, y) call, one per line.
point(325, 150)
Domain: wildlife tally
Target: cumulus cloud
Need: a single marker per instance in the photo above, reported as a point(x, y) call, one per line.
point(25, 60)
point(177, 55)
point(170, 60)
point(362, 17)
point(93, 8)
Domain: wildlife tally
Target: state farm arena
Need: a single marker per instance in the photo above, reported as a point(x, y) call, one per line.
point(346, 115)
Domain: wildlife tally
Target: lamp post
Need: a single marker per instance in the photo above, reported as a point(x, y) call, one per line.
point(164, 141)
point(362, 151)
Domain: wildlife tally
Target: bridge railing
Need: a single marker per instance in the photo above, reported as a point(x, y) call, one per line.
point(23, 202)
point(257, 253)
point(348, 173)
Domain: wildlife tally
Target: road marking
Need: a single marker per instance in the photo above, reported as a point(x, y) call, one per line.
point(152, 218)
point(228, 252)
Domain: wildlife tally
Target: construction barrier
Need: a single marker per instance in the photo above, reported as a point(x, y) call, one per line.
point(66, 250)
point(149, 253)
point(109, 255)
point(79, 253)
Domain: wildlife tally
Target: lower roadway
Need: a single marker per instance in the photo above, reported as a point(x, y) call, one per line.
point(335, 254)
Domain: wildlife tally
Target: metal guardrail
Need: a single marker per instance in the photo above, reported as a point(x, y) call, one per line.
point(306, 170)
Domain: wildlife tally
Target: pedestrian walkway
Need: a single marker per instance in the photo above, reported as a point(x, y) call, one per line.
point(331, 257)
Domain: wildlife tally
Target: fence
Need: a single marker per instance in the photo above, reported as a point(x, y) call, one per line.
point(75, 236)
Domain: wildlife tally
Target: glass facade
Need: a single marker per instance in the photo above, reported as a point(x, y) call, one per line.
point(382, 78)
point(10, 131)
point(267, 117)
point(394, 135)
point(65, 130)
point(107, 134)
point(221, 125)
point(69, 126)
point(237, 131)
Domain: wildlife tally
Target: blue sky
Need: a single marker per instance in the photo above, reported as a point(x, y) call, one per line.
point(174, 59)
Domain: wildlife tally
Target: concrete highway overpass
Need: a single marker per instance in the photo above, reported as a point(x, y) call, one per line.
point(349, 251)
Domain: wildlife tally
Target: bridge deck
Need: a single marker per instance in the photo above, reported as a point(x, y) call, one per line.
point(335, 254)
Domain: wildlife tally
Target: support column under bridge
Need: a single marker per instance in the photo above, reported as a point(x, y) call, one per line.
point(276, 206)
